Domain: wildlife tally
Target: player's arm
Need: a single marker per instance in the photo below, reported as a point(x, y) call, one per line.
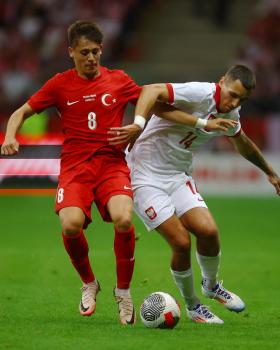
point(150, 102)
point(147, 99)
point(166, 111)
point(150, 94)
point(154, 99)
point(249, 150)
point(10, 145)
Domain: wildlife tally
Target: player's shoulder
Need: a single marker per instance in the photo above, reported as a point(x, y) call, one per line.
point(196, 90)
point(64, 77)
point(202, 88)
point(115, 73)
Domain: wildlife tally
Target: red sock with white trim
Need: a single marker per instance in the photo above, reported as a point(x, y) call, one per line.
point(77, 249)
point(124, 246)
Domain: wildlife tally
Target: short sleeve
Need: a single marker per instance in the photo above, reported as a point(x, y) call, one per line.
point(193, 92)
point(45, 97)
point(131, 90)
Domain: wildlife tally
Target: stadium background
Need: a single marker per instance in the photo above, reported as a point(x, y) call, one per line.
point(154, 41)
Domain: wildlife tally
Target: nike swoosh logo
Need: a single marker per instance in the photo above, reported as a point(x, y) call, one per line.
point(72, 103)
point(126, 187)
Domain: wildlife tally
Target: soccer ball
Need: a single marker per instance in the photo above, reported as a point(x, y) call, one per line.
point(160, 310)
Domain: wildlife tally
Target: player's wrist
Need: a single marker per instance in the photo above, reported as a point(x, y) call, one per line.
point(201, 123)
point(140, 121)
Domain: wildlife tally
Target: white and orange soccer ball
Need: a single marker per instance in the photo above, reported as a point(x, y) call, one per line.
point(160, 310)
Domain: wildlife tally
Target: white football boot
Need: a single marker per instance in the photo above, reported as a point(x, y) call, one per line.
point(202, 314)
point(88, 302)
point(230, 300)
point(126, 309)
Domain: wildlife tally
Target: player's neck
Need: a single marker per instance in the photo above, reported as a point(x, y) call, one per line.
point(88, 76)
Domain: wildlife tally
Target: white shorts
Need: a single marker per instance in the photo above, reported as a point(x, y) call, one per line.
point(155, 201)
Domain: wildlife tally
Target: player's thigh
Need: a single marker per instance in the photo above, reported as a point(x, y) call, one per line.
point(200, 222)
point(185, 196)
point(74, 194)
point(120, 206)
point(192, 209)
point(153, 205)
point(176, 235)
point(113, 196)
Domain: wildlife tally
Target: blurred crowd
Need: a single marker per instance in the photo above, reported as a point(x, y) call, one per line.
point(262, 52)
point(33, 40)
point(33, 44)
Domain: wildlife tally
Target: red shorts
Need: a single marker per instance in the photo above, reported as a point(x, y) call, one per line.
point(97, 179)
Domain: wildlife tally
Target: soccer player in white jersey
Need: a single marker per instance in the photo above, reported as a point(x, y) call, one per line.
point(165, 194)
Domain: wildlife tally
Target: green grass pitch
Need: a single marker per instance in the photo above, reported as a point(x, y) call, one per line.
point(39, 289)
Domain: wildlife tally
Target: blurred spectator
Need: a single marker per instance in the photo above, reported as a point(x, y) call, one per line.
point(262, 53)
point(32, 41)
point(217, 10)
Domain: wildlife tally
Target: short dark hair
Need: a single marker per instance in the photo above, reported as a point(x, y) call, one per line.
point(87, 29)
point(242, 73)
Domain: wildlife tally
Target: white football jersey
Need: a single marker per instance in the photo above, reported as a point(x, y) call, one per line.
point(166, 148)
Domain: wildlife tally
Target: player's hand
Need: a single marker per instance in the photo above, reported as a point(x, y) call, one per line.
point(220, 124)
point(275, 181)
point(124, 135)
point(9, 147)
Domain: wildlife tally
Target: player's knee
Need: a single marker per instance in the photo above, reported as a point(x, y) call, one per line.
point(71, 226)
point(209, 232)
point(182, 246)
point(122, 223)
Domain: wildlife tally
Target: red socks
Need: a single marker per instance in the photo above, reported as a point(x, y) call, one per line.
point(77, 249)
point(124, 246)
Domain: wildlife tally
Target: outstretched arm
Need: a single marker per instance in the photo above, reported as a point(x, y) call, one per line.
point(153, 100)
point(175, 115)
point(249, 150)
point(147, 99)
point(10, 145)
point(150, 101)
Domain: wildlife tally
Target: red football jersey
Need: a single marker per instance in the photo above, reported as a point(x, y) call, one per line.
point(88, 108)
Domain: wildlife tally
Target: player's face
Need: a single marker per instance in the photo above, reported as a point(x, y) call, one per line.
point(233, 93)
point(86, 56)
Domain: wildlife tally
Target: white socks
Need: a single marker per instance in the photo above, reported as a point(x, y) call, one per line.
point(209, 266)
point(184, 281)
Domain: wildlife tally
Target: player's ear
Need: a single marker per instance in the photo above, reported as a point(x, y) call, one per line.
point(222, 79)
point(70, 51)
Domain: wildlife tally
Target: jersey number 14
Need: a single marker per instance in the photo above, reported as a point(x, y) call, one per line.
point(188, 139)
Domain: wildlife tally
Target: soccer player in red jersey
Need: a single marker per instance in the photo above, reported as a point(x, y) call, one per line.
point(91, 100)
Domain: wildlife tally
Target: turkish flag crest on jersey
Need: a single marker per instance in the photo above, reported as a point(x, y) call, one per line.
point(151, 213)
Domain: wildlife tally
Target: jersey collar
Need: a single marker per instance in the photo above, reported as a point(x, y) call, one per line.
point(217, 96)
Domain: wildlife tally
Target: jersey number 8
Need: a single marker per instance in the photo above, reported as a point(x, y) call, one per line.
point(92, 124)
